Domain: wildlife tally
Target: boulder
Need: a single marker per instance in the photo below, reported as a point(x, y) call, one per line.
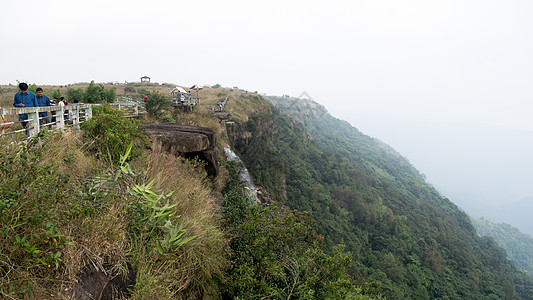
point(222, 116)
point(186, 141)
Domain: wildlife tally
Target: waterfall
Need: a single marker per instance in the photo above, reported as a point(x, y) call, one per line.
point(244, 175)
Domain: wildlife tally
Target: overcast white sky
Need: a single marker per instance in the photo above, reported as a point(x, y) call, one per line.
point(391, 68)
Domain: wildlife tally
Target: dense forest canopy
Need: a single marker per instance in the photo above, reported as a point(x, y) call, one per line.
point(410, 241)
point(519, 246)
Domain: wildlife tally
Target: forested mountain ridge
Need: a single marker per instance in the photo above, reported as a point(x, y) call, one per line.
point(411, 242)
point(519, 246)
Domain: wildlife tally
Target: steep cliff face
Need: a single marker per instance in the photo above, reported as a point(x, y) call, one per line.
point(411, 242)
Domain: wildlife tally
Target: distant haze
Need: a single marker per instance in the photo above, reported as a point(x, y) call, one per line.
point(447, 83)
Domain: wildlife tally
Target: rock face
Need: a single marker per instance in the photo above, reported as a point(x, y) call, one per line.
point(222, 116)
point(104, 283)
point(186, 141)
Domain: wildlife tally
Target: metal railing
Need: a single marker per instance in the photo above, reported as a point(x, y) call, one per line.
point(129, 99)
point(188, 101)
point(130, 109)
point(59, 117)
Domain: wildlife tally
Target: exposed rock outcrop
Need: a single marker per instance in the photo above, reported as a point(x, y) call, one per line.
point(186, 141)
point(103, 283)
point(222, 116)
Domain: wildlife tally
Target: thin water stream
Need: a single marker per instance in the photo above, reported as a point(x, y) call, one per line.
point(244, 176)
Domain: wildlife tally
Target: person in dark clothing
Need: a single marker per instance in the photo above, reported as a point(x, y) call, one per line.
point(43, 100)
point(24, 98)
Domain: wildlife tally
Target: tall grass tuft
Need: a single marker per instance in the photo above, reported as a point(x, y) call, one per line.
point(189, 274)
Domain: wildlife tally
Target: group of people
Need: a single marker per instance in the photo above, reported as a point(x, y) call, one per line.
point(25, 98)
point(220, 104)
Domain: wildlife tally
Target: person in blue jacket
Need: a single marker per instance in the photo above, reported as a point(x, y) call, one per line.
point(43, 100)
point(24, 98)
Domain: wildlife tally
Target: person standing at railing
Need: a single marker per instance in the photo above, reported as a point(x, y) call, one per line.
point(24, 98)
point(63, 102)
point(43, 100)
point(53, 102)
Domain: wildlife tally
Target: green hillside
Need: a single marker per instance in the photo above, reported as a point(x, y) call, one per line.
point(519, 246)
point(106, 212)
point(410, 241)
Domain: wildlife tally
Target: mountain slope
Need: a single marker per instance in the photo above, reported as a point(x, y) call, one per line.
point(410, 241)
point(519, 246)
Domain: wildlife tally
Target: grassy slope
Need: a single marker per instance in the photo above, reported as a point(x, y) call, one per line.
point(59, 192)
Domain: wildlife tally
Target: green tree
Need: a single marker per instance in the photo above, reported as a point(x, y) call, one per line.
point(32, 88)
point(109, 95)
point(93, 93)
point(75, 95)
point(56, 93)
point(129, 90)
point(156, 104)
point(97, 93)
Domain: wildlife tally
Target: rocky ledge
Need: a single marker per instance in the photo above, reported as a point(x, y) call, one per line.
point(186, 141)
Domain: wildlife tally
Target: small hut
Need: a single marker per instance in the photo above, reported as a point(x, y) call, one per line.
point(145, 79)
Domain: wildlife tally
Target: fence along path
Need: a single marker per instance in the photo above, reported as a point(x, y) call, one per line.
point(77, 113)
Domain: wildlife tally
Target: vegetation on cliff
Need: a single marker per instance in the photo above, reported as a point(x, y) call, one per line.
point(343, 216)
point(519, 246)
point(67, 213)
point(410, 241)
point(97, 213)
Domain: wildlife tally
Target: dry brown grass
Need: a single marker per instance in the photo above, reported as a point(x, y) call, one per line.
point(66, 151)
point(190, 274)
point(103, 238)
point(101, 243)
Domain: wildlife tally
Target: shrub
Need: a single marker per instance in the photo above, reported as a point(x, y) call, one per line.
point(142, 92)
point(129, 90)
point(32, 244)
point(110, 133)
point(156, 104)
point(167, 118)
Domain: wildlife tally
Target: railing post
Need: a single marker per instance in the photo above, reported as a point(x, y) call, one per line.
point(60, 118)
point(136, 109)
point(76, 117)
point(34, 123)
point(88, 112)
